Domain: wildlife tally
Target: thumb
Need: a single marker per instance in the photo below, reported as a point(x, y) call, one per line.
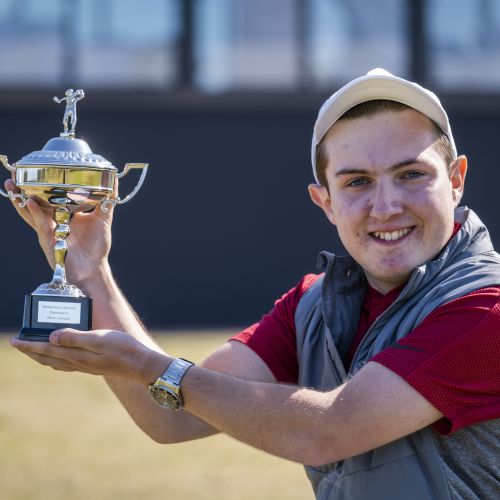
point(69, 337)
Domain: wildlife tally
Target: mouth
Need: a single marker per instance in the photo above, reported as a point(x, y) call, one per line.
point(396, 235)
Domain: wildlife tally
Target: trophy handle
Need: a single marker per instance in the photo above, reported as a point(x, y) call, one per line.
point(10, 194)
point(5, 163)
point(118, 201)
point(14, 196)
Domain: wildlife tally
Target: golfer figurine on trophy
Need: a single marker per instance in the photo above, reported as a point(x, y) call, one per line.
point(67, 177)
point(71, 99)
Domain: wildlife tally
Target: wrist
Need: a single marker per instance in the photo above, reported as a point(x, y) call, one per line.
point(100, 278)
point(156, 364)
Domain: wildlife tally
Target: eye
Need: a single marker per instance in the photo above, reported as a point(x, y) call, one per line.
point(357, 182)
point(413, 174)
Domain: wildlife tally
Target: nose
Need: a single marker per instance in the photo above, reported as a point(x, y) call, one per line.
point(386, 202)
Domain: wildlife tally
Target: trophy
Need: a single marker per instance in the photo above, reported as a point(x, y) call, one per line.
point(67, 177)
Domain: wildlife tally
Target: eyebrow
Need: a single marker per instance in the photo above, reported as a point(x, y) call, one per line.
point(392, 168)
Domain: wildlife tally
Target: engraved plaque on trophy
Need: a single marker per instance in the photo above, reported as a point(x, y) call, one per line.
point(69, 178)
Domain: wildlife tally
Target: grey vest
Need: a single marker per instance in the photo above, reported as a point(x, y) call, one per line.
point(326, 320)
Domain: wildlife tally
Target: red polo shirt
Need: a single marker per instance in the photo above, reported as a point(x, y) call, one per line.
point(452, 358)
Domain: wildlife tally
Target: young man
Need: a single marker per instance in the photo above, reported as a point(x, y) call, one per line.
point(380, 374)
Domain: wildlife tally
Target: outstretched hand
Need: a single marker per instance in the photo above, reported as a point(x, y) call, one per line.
point(99, 352)
point(89, 242)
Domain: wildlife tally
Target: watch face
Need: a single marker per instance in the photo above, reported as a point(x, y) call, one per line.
point(165, 398)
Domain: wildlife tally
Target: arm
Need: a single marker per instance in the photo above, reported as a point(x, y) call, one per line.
point(87, 266)
point(299, 424)
point(305, 425)
point(409, 385)
point(295, 423)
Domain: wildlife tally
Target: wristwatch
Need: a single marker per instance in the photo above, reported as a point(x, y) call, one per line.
point(166, 391)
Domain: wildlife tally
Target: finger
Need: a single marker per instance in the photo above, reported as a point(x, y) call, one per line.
point(58, 364)
point(33, 213)
point(59, 358)
point(69, 337)
point(39, 348)
point(42, 217)
point(55, 363)
point(10, 185)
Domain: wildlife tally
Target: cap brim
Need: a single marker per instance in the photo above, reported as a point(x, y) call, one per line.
point(374, 87)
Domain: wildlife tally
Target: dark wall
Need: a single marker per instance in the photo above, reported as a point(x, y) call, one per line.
point(223, 224)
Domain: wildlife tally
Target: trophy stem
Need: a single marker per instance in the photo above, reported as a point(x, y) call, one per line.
point(56, 304)
point(62, 216)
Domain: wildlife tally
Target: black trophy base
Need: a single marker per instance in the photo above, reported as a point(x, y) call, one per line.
point(45, 313)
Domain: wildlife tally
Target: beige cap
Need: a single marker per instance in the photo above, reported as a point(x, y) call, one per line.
point(378, 84)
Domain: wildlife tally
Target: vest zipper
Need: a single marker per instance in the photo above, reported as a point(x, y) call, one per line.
point(389, 309)
point(341, 376)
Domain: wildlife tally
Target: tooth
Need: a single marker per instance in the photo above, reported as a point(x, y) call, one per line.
point(391, 235)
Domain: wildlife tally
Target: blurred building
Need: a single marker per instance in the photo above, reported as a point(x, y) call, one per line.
point(228, 45)
point(220, 97)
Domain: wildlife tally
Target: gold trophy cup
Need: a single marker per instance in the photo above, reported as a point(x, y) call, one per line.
point(67, 177)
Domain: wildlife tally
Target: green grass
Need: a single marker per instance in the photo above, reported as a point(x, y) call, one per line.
point(64, 436)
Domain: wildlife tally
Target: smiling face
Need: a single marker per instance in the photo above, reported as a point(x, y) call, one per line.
point(389, 193)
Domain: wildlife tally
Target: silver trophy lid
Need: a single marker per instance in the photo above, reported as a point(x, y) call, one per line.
point(65, 150)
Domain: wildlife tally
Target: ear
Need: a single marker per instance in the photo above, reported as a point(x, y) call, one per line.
point(458, 171)
point(321, 197)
